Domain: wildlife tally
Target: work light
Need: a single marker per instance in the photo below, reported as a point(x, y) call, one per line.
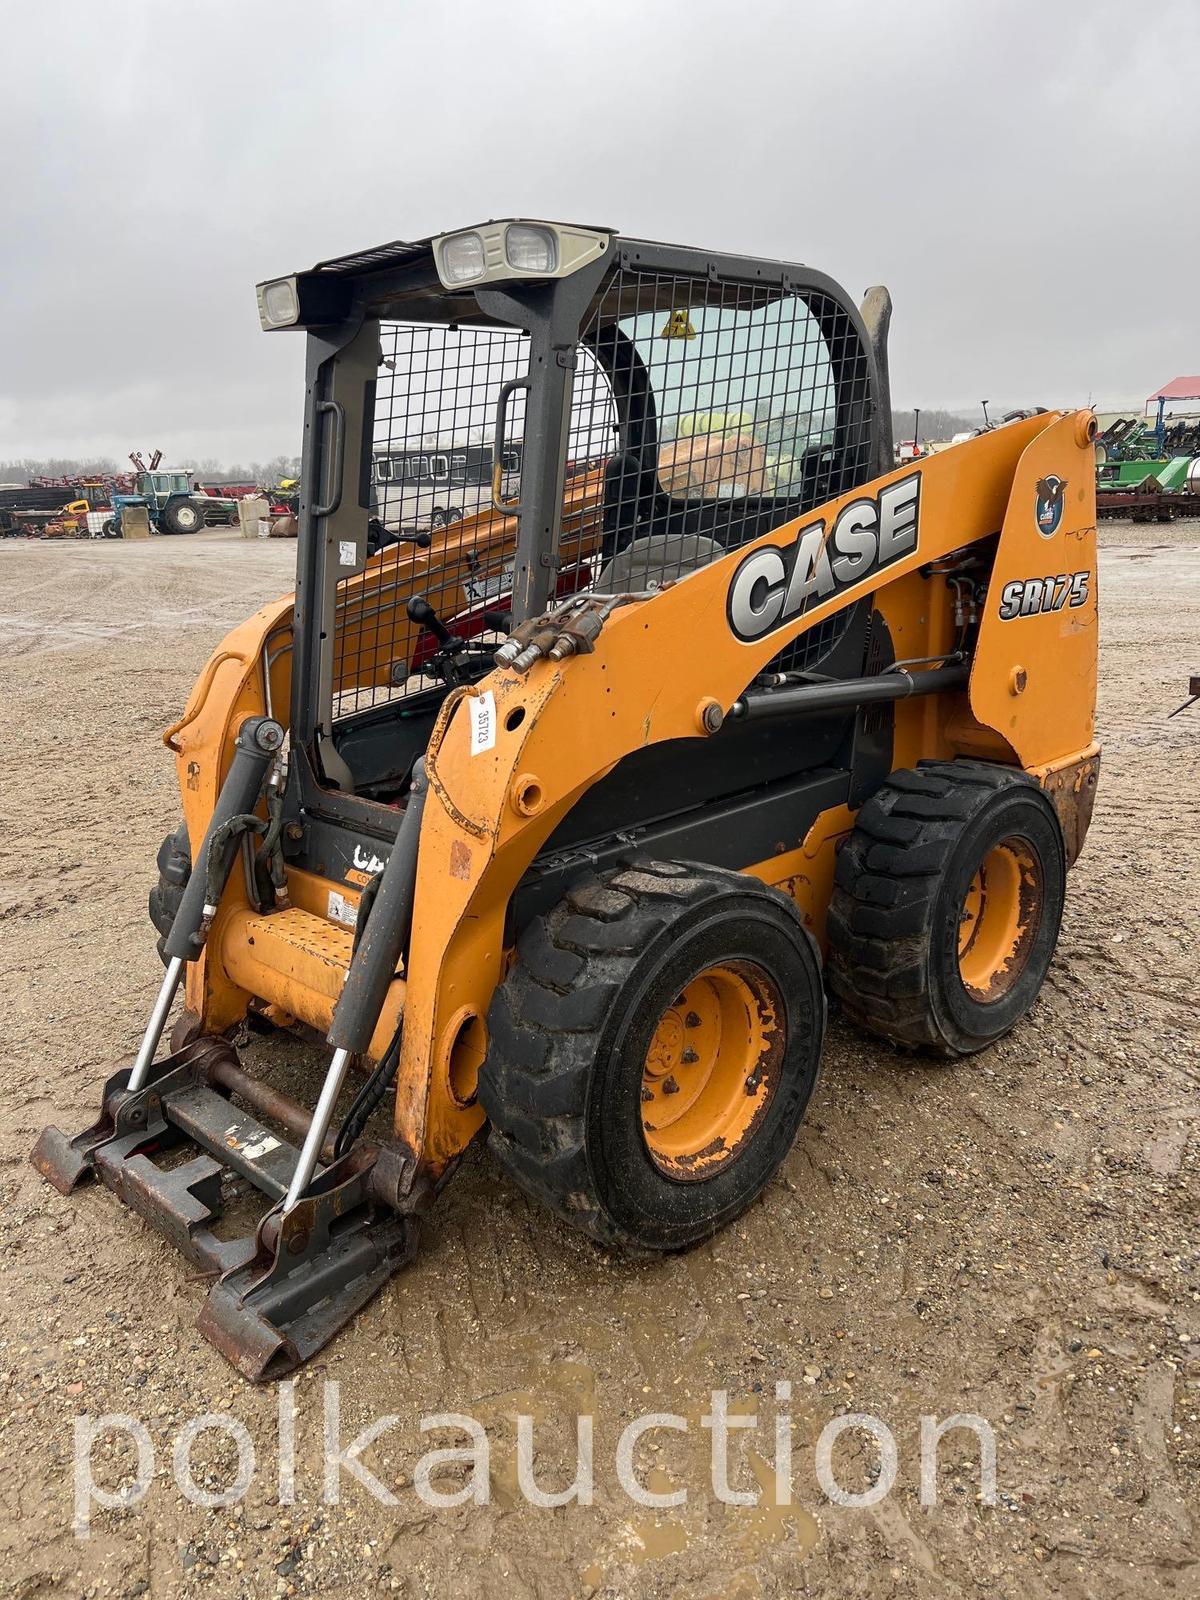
point(499, 252)
point(462, 258)
point(279, 305)
point(531, 249)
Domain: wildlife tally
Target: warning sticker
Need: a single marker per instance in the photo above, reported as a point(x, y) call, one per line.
point(347, 553)
point(480, 589)
point(483, 722)
point(342, 910)
point(255, 1152)
point(678, 326)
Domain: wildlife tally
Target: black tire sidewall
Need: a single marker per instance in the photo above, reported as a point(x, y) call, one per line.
point(966, 1023)
point(650, 1207)
point(171, 516)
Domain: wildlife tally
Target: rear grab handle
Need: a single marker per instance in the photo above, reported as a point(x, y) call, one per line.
point(507, 389)
point(337, 410)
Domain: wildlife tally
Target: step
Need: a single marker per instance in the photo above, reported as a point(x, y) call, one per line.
point(298, 962)
point(291, 959)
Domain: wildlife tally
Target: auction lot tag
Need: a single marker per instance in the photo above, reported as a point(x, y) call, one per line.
point(483, 722)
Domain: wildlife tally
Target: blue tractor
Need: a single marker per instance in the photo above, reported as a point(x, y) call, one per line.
point(173, 504)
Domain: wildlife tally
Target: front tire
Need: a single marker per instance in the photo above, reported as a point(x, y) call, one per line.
point(947, 901)
point(652, 1051)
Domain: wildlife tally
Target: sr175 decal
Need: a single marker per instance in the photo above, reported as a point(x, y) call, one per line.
point(1029, 597)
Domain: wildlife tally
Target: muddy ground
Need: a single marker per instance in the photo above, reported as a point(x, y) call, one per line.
point(1015, 1237)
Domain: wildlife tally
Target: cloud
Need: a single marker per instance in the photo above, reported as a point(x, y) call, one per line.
point(161, 160)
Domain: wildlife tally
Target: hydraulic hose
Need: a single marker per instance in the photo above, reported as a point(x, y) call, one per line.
point(258, 740)
point(370, 1093)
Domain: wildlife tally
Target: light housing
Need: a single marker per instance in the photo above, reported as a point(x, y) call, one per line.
point(305, 300)
point(278, 303)
point(461, 259)
point(530, 249)
point(497, 252)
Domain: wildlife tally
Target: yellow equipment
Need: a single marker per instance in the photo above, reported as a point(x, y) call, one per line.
point(559, 820)
point(71, 522)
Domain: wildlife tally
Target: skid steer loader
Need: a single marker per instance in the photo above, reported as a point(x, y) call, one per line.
point(560, 820)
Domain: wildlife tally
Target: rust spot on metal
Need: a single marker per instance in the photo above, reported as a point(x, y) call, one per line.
point(460, 860)
point(1071, 790)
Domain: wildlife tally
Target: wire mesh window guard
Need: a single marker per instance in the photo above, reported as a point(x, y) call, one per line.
point(703, 415)
point(432, 477)
point(740, 407)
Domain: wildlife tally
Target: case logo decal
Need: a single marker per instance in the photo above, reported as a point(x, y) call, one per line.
point(777, 583)
point(1050, 504)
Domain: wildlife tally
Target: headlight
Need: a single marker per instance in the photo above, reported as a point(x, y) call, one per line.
point(500, 252)
point(531, 249)
point(279, 304)
point(462, 258)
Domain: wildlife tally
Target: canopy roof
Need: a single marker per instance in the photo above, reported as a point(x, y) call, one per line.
point(1178, 389)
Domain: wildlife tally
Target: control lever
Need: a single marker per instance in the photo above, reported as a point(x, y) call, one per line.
point(449, 644)
point(422, 613)
point(379, 537)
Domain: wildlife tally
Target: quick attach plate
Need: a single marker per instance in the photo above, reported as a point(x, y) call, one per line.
point(281, 1291)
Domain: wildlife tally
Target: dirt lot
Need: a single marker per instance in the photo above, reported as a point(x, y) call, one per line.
point(1016, 1237)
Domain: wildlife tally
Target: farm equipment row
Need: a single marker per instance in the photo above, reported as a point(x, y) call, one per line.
point(96, 506)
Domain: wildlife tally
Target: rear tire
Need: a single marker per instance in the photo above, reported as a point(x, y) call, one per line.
point(182, 516)
point(652, 1051)
point(947, 902)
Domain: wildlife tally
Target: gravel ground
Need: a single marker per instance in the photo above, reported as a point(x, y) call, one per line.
point(1014, 1237)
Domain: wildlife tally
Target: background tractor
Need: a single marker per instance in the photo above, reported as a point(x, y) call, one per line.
point(173, 505)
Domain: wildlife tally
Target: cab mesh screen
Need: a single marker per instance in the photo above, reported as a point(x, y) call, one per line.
point(703, 415)
point(740, 407)
point(432, 459)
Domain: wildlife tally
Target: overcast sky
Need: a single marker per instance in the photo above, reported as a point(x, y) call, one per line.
point(1023, 176)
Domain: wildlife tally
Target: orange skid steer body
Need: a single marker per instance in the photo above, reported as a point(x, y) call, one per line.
point(630, 700)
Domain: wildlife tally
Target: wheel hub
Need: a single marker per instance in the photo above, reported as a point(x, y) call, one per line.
point(710, 1070)
point(999, 918)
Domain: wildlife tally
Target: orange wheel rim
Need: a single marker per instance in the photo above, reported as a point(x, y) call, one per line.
point(711, 1069)
point(998, 919)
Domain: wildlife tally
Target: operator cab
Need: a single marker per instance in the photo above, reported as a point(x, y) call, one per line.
point(511, 414)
